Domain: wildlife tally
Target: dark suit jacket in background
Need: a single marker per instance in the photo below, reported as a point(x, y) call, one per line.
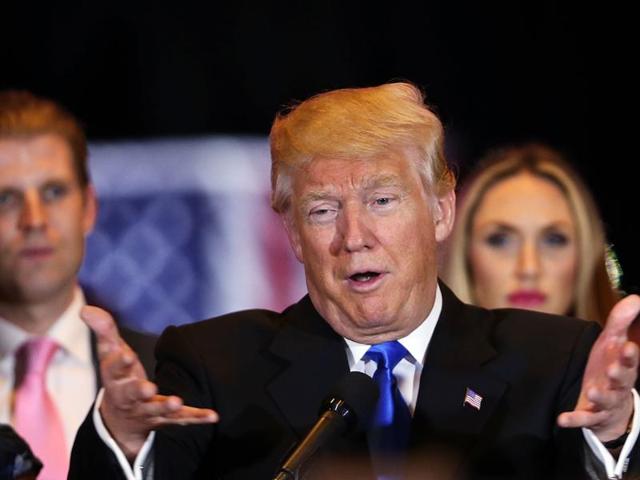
point(267, 373)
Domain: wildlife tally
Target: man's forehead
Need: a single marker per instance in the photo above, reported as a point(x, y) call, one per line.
point(327, 174)
point(35, 159)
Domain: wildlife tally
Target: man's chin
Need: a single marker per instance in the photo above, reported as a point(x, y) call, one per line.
point(373, 328)
point(41, 292)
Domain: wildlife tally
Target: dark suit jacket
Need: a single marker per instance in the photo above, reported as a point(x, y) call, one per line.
point(266, 374)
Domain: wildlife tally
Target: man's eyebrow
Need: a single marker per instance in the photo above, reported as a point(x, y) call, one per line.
point(315, 196)
point(370, 183)
point(318, 195)
point(57, 181)
point(383, 181)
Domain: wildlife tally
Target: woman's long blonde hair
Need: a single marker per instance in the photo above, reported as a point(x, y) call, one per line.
point(596, 292)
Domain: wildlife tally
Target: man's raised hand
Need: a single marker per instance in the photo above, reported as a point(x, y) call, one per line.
point(131, 406)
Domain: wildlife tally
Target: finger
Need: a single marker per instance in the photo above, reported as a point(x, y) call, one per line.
point(170, 407)
point(606, 399)
point(186, 413)
point(582, 419)
point(171, 410)
point(621, 377)
point(118, 364)
point(100, 321)
point(158, 406)
point(188, 416)
point(623, 369)
point(130, 394)
point(139, 391)
point(103, 325)
point(164, 421)
point(630, 355)
point(622, 316)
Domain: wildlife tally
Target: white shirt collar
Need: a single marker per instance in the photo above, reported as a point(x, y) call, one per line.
point(416, 342)
point(68, 331)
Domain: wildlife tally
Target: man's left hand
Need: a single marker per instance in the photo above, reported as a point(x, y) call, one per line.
point(605, 404)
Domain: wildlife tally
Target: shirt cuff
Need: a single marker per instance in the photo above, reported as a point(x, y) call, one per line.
point(143, 463)
point(615, 469)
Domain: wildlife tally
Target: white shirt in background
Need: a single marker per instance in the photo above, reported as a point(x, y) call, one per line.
point(71, 376)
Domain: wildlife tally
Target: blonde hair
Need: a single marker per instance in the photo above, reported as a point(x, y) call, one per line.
point(594, 294)
point(357, 123)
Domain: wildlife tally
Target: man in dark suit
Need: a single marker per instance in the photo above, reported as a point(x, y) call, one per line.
point(365, 194)
point(47, 207)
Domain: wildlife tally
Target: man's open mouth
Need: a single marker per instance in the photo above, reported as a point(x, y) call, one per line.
point(364, 276)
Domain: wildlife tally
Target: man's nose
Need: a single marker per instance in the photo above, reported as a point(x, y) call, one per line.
point(355, 229)
point(33, 214)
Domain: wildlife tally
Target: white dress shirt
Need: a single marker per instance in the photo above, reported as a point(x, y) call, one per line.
point(408, 370)
point(407, 373)
point(71, 376)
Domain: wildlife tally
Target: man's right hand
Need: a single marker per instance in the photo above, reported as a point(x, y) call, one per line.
point(131, 407)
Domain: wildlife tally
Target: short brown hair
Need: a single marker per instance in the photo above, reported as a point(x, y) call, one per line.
point(24, 115)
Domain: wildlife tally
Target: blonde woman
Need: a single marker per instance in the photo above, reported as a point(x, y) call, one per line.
point(528, 235)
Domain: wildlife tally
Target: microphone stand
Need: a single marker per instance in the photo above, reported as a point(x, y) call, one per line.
point(332, 422)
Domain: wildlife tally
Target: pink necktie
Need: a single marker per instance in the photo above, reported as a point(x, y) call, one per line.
point(36, 417)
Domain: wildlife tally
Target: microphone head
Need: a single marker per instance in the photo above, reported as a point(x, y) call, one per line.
point(354, 398)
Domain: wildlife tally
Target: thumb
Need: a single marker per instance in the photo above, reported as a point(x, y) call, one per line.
point(103, 325)
point(622, 316)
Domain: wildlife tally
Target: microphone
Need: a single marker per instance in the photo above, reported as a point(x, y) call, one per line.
point(346, 409)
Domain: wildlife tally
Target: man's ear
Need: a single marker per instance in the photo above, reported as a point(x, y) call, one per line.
point(90, 211)
point(292, 234)
point(444, 215)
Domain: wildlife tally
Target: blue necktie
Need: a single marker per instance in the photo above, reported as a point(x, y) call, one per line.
point(389, 434)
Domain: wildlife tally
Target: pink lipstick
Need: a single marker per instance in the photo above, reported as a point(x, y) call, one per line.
point(527, 298)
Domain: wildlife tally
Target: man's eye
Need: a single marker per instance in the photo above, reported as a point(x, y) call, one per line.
point(322, 214)
point(8, 199)
point(384, 201)
point(54, 191)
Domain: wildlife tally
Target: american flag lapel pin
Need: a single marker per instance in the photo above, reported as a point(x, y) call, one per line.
point(472, 399)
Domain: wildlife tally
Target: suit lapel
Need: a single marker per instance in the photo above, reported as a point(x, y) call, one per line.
point(315, 360)
point(457, 361)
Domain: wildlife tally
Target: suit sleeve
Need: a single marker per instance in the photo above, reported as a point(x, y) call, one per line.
point(91, 457)
point(177, 451)
point(569, 443)
point(181, 451)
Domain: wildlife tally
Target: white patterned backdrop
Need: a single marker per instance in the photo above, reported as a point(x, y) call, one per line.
point(185, 232)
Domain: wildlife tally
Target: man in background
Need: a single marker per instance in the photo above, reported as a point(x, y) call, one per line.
point(48, 367)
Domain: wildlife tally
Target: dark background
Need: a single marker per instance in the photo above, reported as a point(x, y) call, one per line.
point(494, 71)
